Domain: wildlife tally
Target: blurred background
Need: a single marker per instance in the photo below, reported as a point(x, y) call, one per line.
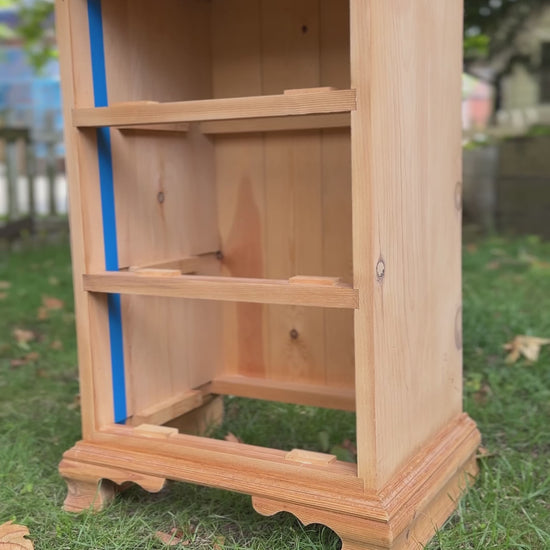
point(505, 114)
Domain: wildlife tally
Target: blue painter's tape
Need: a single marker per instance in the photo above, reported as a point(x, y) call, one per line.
point(107, 208)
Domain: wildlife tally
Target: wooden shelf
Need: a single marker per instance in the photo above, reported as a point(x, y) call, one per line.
point(286, 392)
point(232, 289)
point(283, 105)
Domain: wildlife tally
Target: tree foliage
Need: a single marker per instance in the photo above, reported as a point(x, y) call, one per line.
point(34, 29)
point(490, 25)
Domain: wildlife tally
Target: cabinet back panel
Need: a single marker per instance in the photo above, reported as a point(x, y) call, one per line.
point(284, 198)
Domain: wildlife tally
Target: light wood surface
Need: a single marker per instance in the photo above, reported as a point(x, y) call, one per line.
point(164, 411)
point(418, 498)
point(406, 163)
point(287, 229)
point(128, 114)
point(284, 391)
point(266, 291)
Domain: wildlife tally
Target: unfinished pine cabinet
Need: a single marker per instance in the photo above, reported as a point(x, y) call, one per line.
point(266, 203)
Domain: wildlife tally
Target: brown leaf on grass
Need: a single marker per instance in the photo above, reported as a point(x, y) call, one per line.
point(483, 452)
point(75, 404)
point(52, 303)
point(56, 344)
point(3, 295)
point(173, 538)
point(23, 337)
point(12, 537)
point(219, 543)
point(25, 360)
point(5, 285)
point(42, 314)
point(528, 346)
point(233, 438)
point(481, 396)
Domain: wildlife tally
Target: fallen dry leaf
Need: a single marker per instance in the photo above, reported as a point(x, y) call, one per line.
point(22, 336)
point(173, 538)
point(219, 543)
point(52, 303)
point(42, 314)
point(483, 452)
point(75, 404)
point(56, 344)
point(5, 285)
point(25, 360)
point(233, 438)
point(12, 537)
point(3, 295)
point(528, 346)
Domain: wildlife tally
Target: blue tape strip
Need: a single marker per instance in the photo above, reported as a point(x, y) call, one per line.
point(105, 160)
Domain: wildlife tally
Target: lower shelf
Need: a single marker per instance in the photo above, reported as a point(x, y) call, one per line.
point(285, 392)
point(403, 514)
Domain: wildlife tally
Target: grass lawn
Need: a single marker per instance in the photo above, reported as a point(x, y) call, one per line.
point(506, 293)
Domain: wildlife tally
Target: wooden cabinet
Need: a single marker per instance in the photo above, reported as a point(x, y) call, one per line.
point(266, 202)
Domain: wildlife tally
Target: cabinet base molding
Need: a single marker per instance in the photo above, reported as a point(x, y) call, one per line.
point(404, 514)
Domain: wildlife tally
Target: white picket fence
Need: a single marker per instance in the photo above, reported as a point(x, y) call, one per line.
point(32, 186)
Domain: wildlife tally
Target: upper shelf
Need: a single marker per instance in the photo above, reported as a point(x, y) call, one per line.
point(314, 101)
point(301, 290)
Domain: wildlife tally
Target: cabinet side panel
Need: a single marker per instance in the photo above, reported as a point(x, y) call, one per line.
point(164, 192)
point(84, 216)
point(409, 356)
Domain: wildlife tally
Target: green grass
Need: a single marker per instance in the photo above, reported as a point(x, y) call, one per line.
point(506, 292)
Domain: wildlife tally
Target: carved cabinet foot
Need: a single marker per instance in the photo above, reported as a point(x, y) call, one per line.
point(92, 487)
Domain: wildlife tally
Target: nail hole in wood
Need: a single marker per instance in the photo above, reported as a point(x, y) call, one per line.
point(294, 334)
point(160, 197)
point(305, 29)
point(219, 255)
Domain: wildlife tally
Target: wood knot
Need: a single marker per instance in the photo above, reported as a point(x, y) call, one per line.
point(160, 197)
point(380, 270)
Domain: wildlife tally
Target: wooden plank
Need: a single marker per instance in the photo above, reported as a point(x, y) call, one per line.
point(312, 280)
point(155, 432)
point(406, 227)
point(236, 64)
point(156, 272)
point(284, 391)
point(164, 192)
point(168, 409)
point(290, 50)
point(310, 457)
point(267, 291)
point(280, 124)
point(337, 101)
point(174, 127)
point(336, 195)
point(189, 264)
point(92, 327)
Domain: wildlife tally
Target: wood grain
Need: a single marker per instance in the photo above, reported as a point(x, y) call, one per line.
point(266, 291)
point(336, 101)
